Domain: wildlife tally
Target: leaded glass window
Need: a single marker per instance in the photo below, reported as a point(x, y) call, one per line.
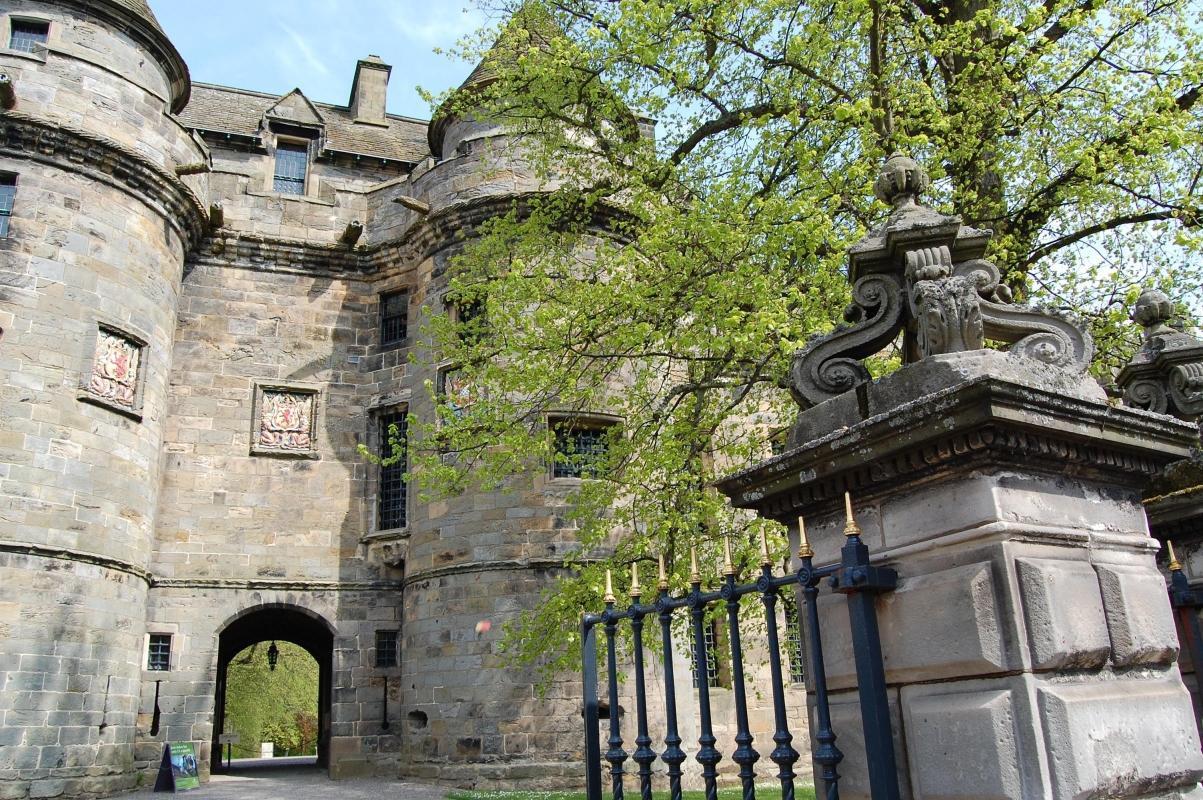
point(8, 191)
point(394, 317)
point(713, 676)
point(292, 163)
point(158, 656)
point(27, 34)
point(470, 319)
point(793, 639)
point(391, 496)
point(581, 449)
point(386, 649)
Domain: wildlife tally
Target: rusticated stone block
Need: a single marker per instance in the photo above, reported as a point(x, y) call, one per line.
point(942, 624)
point(1063, 610)
point(1119, 738)
point(994, 716)
point(850, 738)
point(938, 625)
point(1138, 615)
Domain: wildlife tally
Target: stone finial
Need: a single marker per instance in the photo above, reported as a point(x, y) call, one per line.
point(901, 181)
point(1166, 374)
point(1153, 312)
point(923, 274)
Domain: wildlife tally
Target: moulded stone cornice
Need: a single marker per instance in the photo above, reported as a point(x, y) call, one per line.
point(239, 249)
point(102, 159)
point(444, 228)
point(483, 566)
point(76, 556)
point(452, 224)
point(276, 584)
point(985, 422)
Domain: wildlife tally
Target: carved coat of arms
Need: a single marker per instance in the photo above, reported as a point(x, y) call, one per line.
point(115, 369)
point(285, 421)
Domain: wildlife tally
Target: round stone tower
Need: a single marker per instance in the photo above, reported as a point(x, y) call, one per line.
point(477, 561)
point(96, 224)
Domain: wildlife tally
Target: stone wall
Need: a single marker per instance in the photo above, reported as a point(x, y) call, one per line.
point(89, 277)
point(226, 479)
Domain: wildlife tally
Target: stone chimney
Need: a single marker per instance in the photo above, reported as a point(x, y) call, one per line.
point(369, 91)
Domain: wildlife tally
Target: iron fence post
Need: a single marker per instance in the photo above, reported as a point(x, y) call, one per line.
point(1187, 602)
point(861, 583)
point(644, 755)
point(593, 769)
point(673, 755)
point(784, 755)
point(744, 755)
point(615, 754)
point(827, 755)
point(707, 755)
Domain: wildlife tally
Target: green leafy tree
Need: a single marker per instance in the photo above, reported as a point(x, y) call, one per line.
point(669, 280)
point(278, 706)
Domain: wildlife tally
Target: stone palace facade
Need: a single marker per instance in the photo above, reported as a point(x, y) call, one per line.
point(208, 300)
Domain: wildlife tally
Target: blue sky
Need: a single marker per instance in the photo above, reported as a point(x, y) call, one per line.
point(276, 45)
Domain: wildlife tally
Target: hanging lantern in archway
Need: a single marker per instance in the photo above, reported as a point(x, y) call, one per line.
point(273, 656)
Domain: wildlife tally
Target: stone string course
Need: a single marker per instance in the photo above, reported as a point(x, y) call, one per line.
point(115, 527)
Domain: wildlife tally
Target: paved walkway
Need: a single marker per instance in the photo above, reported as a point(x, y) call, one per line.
point(258, 780)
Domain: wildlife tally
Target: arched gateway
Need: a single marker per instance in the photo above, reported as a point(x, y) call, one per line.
point(282, 623)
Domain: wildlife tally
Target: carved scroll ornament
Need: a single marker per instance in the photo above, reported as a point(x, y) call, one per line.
point(830, 365)
point(1166, 374)
point(944, 306)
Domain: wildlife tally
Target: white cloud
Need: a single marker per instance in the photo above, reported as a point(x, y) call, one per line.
point(309, 61)
point(435, 24)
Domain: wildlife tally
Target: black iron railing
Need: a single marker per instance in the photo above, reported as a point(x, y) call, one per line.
point(853, 576)
point(1186, 601)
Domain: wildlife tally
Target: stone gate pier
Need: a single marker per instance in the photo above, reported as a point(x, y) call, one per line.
point(1030, 650)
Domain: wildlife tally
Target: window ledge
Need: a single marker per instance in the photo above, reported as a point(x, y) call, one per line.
point(39, 57)
point(386, 535)
point(300, 198)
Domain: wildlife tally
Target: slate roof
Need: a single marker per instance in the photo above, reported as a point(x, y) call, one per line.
point(221, 109)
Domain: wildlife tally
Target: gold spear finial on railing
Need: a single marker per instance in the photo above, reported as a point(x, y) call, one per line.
point(636, 589)
point(1175, 565)
point(728, 564)
point(609, 598)
point(765, 559)
point(663, 585)
point(804, 548)
point(694, 575)
point(850, 526)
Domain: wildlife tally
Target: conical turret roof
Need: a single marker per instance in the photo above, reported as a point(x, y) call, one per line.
point(531, 26)
point(142, 9)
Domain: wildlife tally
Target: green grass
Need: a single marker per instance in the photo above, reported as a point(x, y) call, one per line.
point(728, 793)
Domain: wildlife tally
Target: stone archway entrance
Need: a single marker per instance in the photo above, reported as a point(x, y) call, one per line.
point(279, 623)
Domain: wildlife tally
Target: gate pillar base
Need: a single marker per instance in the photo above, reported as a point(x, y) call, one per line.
point(1029, 647)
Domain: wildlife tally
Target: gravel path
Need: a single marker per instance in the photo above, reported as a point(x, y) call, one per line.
point(255, 781)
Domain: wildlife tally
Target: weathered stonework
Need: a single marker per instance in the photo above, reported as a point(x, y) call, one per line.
point(189, 362)
point(1029, 648)
point(1165, 376)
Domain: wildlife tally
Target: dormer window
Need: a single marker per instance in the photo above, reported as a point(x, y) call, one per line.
point(292, 165)
point(27, 34)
